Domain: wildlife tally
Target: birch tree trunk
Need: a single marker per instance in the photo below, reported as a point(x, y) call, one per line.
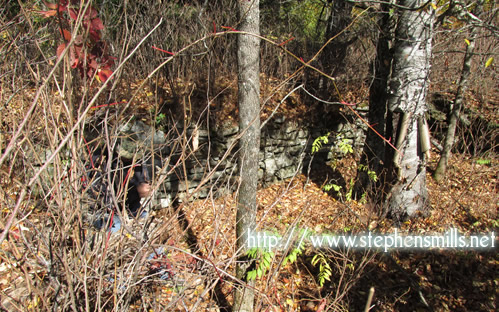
point(408, 90)
point(248, 56)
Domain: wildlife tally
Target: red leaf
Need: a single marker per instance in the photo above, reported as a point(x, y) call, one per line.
point(48, 13)
point(60, 49)
point(95, 35)
point(51, 6)
point(93, 13)
point(90, 73)
point(91, 56)
point(104, 74)
point(66, 35)
point(78, 51)
point(73, 14)
point(74, 62)
point(93, 64)
point(97, 24)
point(15, 233)
point(73, 58)
point(108, 61)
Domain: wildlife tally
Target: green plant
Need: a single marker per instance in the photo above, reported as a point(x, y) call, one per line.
point(325, 271)
point(305, 14)
point(345, 145)
point(363, 199)
point(372, 174)
point(263, 258)
point(337, 189)
point(348, 195)
point(317, 144)
point(330, 186)
point(292, 256)
point(160, 118)
point(295, 252)
point(483, 161)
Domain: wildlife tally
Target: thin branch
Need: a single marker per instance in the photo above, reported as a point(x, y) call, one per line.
point(68, 136)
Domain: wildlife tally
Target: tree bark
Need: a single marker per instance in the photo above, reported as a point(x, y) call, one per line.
point(248, 55)
point(333, 56)
point(441, 169)
point(408, 90)
point(374, 147)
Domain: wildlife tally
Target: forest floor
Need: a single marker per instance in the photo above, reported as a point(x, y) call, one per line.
point(447, 279)
point(413, 280)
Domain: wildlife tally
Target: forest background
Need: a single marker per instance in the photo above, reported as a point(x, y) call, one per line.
point(73, 73)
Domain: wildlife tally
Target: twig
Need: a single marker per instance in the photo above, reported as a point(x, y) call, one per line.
point(369, 300)
point(282, 101)
point(24, 191)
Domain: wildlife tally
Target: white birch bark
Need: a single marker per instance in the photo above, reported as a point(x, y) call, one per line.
point(407, 100)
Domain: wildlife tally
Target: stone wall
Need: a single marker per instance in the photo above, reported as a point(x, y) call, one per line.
point(285, 150)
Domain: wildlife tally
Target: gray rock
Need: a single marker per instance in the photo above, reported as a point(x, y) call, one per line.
point(290, 127)
point(279, 119)
point(228, 128)
point(270, 166)
point(287, 172)
point(136, 137)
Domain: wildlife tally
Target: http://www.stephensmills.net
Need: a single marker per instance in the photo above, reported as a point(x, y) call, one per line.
point(450, 239)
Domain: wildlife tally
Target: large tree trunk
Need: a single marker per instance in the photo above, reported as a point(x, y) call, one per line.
point(407, 104)
point(456, 109)
point(248, 56)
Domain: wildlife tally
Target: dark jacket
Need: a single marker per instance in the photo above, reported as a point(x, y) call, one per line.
point(97, 181)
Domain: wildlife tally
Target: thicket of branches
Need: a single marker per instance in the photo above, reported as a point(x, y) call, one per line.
point(59, 261)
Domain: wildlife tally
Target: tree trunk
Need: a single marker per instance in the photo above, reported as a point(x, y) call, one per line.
point(333, 56)
point(374, 147)
point(248, 56)
point(456, 109)
point(340, 16)
point(408, 90)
